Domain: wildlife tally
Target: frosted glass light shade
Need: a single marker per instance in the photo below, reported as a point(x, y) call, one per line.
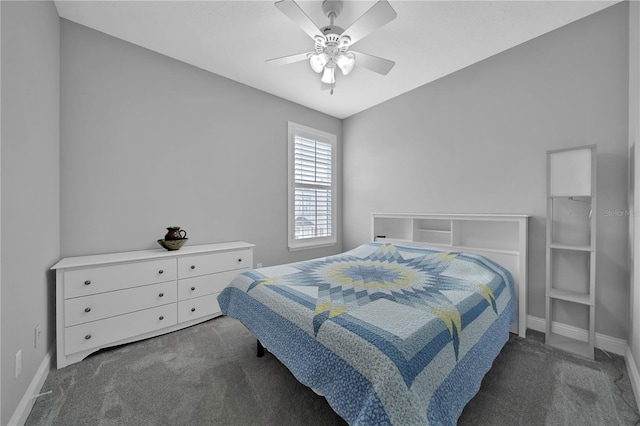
point(318, 62)
point(346, 63)
point(570, 173)
point(329, 76)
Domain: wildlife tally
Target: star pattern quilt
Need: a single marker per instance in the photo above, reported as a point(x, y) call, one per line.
point(389, 334)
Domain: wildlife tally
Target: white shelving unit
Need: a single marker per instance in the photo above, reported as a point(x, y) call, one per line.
point(499, 237)
point(571, 245)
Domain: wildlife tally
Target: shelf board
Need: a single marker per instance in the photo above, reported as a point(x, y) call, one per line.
point(394, 240)
point(488, 250)
point(449, 246)
point(431, 243)
point(568, 344)
point(434, 231)
point(571, 247)
point(571, 296)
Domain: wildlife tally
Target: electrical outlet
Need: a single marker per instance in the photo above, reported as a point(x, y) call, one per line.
point(37, 334)
point(259, 265)
point(18, 363)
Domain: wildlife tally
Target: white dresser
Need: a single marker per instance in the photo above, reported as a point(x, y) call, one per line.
point(115, 298)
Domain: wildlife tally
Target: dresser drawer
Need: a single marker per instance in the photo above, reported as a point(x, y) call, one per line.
point(198, 307)
point(189, 288)
point(193, 266)
point(111, 330)
point(83, 282)
point(204, 264)
point(104, 305)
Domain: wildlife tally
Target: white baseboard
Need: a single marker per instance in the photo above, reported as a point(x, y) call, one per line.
point(634, 376)
point(19, 416)
point(604, 342)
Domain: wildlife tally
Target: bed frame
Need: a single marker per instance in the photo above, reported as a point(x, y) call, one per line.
point(499, 237)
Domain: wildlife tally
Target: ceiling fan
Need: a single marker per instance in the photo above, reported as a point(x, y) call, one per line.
point(332, 43)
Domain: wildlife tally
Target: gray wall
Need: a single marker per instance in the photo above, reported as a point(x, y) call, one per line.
point(30, 188)
point(634, 177)
point(149, 142)
point(476, 141)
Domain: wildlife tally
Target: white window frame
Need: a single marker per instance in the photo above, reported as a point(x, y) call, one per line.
point(300, 130)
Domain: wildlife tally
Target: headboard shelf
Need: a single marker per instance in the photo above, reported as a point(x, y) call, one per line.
point(499, 237)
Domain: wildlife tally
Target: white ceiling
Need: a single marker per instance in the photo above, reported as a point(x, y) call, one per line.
point(428, 40)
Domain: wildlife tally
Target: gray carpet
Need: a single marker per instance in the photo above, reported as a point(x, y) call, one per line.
point(209, 375)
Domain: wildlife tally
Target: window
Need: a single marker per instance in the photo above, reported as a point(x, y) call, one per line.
point(312, 187)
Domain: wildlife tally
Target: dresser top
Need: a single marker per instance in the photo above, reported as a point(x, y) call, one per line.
point(104, 259)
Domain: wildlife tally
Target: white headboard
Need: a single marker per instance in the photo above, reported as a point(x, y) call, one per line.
point(499, 237)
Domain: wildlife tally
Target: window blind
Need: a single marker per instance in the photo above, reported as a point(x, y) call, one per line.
point(312, 194)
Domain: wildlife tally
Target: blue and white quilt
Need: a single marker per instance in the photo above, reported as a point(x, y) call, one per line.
point(389, 334)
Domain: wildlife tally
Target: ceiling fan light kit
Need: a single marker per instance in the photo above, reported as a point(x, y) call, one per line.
point(332, 43)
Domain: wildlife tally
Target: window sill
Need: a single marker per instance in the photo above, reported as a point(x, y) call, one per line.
point(299, 247)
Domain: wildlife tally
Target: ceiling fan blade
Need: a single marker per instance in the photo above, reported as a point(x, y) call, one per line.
point(379, 65)
point(297, 15)
point(380, 14)
point(284, 60)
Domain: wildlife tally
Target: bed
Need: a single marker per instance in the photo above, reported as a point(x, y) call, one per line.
point(388, 333)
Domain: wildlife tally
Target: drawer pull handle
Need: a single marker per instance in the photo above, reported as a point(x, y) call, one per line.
point(161, 295)
point(87, 337)
point(161, 318)
point(193, 266)
point(193, 288)
point(87, 309)
point(87, 282)
point(193, 309)
point(239, 260)
point(161, 271)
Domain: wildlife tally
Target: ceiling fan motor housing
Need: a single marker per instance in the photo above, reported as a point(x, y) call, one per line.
point(332, 31)
point(332, 38)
